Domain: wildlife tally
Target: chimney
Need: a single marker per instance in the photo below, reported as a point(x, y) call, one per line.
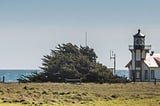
point(152, 52)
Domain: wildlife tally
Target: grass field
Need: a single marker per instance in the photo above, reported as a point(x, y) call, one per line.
point(84, 94)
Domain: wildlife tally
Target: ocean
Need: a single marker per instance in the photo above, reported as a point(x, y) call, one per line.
point(12, 75)
point(123, 73)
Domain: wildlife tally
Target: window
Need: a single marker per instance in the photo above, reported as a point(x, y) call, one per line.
point(142, 41)
point(138, 63)
point(137, 74)
point(138, 55)
point(152, 74)
point(146, 74)
point(135, 41)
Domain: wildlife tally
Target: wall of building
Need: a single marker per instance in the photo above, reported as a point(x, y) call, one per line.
point(133, 62)
point(130, 72)
point(143, 54)
point(157, 73)
point(156, 70)
point(144, 67)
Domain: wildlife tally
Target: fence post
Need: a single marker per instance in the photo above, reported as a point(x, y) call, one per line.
point(3, 79)
point(155, 80)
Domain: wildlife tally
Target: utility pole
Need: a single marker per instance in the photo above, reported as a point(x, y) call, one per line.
point(113, 56)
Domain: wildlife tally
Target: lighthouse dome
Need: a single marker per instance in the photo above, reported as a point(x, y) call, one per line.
point(139, 34)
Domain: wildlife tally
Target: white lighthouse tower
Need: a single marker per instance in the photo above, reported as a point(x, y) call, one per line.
point(138, 50)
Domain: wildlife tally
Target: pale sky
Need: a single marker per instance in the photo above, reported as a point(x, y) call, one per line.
point(30, 28)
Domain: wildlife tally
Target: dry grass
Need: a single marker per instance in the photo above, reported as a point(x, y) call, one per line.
point(85, 94)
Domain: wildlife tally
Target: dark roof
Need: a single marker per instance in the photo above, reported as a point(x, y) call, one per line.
point(129, 63)
point(139, 34)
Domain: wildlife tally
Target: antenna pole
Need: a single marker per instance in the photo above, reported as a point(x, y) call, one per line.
point(86, 39)
point(114, 63)
point(113, 56)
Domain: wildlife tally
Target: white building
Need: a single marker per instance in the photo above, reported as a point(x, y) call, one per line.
point(143, 66)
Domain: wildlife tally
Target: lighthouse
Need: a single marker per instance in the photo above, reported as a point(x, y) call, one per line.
point(138, 54)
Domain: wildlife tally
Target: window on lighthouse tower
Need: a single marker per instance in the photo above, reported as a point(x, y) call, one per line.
point(137, 74)
point(138, 63)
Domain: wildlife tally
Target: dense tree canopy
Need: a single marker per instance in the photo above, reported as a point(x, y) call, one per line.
point(69, 61)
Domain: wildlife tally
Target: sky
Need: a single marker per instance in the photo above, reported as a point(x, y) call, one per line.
point(29, 29)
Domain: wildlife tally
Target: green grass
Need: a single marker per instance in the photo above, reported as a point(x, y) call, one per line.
point(84, 94)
